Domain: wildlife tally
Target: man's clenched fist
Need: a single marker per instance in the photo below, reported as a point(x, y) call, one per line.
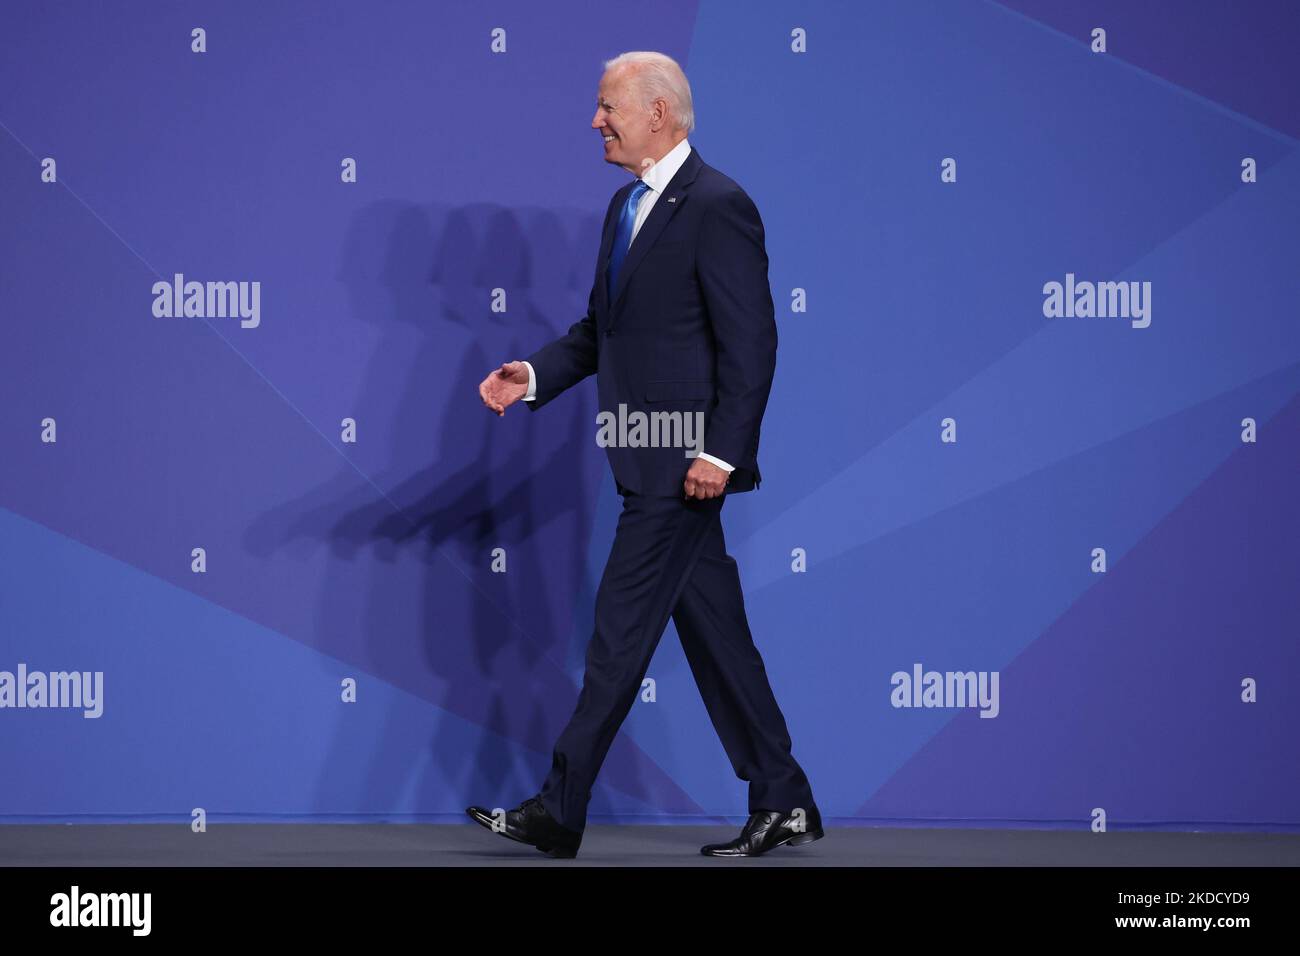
point(704, 479)
point(504, 386)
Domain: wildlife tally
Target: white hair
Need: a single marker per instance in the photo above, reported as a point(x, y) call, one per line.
point(655, 76)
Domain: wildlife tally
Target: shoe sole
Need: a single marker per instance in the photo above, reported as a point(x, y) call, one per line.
point(557, 853)
point(802, 839)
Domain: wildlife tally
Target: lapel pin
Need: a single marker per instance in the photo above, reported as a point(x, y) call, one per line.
point(672, 199)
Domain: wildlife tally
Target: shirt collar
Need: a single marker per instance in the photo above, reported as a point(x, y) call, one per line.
point(661, 173)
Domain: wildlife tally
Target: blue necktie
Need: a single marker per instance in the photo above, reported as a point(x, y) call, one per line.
point(623, 235)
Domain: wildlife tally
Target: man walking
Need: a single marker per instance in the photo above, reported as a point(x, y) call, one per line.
point(680, 321)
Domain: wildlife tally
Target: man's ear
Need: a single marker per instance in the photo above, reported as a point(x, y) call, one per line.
point(658, 114)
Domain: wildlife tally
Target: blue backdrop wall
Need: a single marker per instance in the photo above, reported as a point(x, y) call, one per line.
point(1095, 517)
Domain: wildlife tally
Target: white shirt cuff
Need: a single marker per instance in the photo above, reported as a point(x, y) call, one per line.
point(532, 383)
point(717, 461)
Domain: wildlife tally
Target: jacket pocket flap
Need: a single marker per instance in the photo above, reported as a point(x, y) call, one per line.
point(668, 390)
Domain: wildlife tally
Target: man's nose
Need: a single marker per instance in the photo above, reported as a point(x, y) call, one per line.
point(597, 121)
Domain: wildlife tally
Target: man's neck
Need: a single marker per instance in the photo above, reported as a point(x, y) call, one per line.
point(664, 152)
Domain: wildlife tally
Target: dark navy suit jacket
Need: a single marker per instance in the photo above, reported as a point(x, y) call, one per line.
point(690, 327)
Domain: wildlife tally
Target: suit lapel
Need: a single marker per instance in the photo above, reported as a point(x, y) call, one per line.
point(674, 197)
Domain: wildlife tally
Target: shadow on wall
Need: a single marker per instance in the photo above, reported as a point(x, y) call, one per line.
point(457, 483)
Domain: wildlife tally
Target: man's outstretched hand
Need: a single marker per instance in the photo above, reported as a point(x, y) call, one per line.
point(704, 479)
point(504, 386)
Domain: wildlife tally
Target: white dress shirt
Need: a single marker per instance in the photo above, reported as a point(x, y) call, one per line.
point(656, 177)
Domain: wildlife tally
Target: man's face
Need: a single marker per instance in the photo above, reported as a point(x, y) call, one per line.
point(623, 124)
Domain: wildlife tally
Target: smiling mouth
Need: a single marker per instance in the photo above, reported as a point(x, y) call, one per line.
point(609, 139)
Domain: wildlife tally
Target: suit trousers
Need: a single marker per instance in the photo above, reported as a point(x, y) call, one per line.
point(669, 559)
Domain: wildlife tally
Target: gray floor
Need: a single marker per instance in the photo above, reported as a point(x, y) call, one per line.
point(471, 845)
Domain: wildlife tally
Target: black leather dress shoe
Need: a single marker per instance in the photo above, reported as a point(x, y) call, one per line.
point(766, 830)
point(530, 823)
